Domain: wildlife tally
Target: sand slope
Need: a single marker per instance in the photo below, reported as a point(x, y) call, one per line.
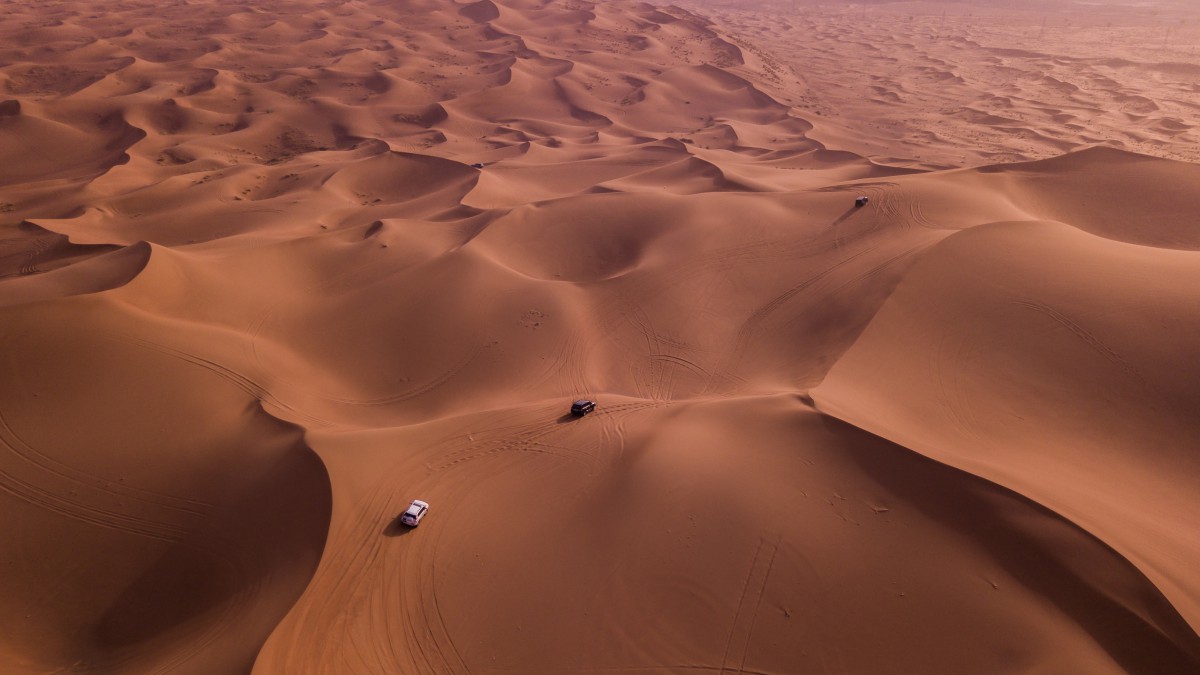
point(269, 272)
point(1051, 361)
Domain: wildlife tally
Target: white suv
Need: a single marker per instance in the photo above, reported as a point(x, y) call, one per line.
point(412, 517)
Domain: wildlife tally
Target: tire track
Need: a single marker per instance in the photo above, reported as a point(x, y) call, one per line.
point(407, 395)
point(432, 611)
point(533, 438)
point(169, 533)
point(955, 405)
point(351, 577)
point(350, 556)
point(673, 364)
point(873, 187)
point(654, 381)
point(882, 265)
point(762, 588)
point(663, 362)
point(917, 213)
point(573, 366)
point(521, 445)
point(611, 410)
point(464, 362)
point(556, 368)
point(42, 462)
point(235, 378)
point(1094, 343)
point(84, 512)
point(172, 520)
point(428, 623)
point(753, 589)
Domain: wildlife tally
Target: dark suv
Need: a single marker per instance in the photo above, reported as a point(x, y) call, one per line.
point(582, 407)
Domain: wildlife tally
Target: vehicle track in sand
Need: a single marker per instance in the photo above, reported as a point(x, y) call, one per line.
point(947, 363)
point(243, 382)
point(82, 510)
point(366, 574)
point(85, 480)
point(741, 632)
point(421, 389)
point(535, 436)
point(1083, 334)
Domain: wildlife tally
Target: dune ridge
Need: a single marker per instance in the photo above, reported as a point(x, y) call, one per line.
point(270, 271)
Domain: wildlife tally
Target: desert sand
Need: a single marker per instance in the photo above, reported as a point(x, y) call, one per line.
point(271, 270)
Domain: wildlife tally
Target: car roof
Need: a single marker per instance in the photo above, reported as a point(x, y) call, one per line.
point(417, 504)
point(582, 401)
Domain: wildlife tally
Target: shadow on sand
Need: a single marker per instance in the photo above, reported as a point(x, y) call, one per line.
point(849, 212)
point(395, 528)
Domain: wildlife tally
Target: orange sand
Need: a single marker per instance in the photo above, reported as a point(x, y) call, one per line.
point(255, 297)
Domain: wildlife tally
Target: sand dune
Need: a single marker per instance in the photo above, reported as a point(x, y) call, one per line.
point(1097, 429)
point(949, 84)
point(269, 271)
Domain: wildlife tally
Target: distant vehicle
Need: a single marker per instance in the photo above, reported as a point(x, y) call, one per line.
point(582, 407)
point(861, 201)
point(477, 165)
point(412, 517)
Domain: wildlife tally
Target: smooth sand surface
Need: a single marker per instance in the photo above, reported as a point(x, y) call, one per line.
point(270, 271)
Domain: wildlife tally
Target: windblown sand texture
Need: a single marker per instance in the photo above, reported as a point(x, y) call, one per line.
point(269, 271)
point(947, 84)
